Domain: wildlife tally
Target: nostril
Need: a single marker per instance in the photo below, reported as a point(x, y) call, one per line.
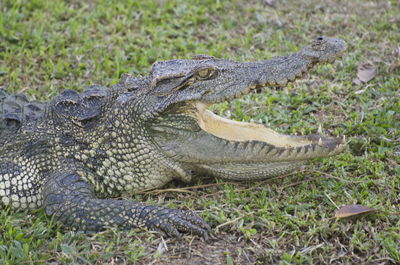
point(320, 38)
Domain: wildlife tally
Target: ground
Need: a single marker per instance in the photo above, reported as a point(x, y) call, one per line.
point(47, 46)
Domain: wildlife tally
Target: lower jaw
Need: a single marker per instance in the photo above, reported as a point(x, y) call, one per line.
point(287, 147)
point(248, 171)
point(242, 131)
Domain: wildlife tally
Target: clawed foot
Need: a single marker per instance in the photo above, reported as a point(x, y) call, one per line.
point(173, 222)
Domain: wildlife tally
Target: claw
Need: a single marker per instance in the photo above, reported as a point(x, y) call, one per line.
point(172, 222)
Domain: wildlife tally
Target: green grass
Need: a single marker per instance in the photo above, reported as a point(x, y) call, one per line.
point(47, 46)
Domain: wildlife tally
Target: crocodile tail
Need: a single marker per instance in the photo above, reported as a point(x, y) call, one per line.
point(16, 110)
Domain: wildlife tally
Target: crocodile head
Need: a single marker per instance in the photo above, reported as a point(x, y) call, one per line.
point(179, 93)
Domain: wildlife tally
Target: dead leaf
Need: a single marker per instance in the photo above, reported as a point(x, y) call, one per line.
point(353, 210)
point(365, 72)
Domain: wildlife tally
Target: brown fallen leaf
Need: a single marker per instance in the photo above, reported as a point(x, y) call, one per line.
point(365, 72)
point(353, 210)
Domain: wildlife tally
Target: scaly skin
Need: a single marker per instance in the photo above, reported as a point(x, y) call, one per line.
point(71, 155)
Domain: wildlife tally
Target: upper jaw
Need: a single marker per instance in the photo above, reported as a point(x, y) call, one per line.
point(276, 72)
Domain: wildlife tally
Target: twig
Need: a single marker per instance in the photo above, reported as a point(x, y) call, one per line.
point(229, 222)
point(329, 198)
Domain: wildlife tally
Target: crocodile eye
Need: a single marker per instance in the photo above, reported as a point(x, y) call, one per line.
point(206, 73)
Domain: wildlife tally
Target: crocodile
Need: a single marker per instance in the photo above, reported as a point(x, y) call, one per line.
point(75, 155)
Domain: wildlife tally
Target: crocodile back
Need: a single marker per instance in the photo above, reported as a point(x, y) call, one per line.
point(16, 110)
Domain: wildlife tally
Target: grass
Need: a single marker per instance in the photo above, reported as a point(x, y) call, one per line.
point(47, 46)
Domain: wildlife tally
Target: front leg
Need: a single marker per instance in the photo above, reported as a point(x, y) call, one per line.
point(72, 201)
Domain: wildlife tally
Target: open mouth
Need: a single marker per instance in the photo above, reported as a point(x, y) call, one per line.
point(236, 131)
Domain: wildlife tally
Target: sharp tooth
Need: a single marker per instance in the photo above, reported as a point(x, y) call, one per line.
point(320, 142)
point(343, 139)
point(319, 129)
